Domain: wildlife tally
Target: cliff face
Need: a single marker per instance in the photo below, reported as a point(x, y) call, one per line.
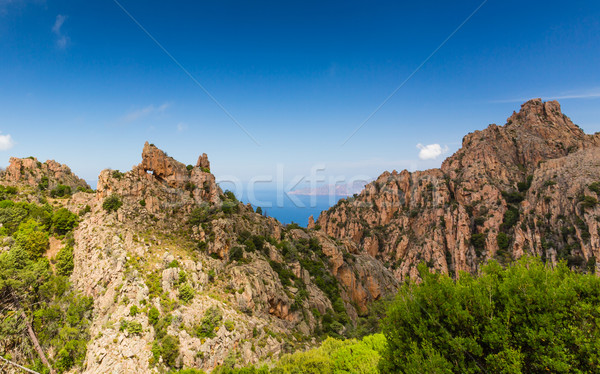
point(513, 189)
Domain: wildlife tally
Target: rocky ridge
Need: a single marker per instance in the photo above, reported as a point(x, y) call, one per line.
point(525, 187)
point(47, 175)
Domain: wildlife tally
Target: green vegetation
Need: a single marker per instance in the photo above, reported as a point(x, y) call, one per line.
point(61, 191)
point(333, 356)
point(112, 203)
point(186, 292)
point(36, 297)
point(64, 261)
point(210, 321)
point(503, 240)
point(63, 221)
point(524, 318)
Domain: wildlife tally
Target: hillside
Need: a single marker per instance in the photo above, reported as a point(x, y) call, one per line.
point(528, 187)
point(179, 273)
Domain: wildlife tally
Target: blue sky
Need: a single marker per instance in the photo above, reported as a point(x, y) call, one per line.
point(81, 83)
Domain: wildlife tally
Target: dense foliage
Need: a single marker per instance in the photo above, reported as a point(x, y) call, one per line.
point(35, 296)
point(333, 356)
point(526, 317)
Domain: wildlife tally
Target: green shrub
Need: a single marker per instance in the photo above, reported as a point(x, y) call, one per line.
point(198, 215)
point(588, 201)
point(211, 319)
point(31, 237)
point(61, 191)
point(503, 240)
point(595, 187)
point(478, 240)
point(259, 210)
point(511, 217)
point(229, 325)
point(63, 221)
point(170, 349)
point(117, 174)
point(85, 210)
point(134, 310)
point(44, 183)
point(236, 253)
point(112, 203)
point(132, 327)
point(64, 261)
point(153, 315)
point(186, 292)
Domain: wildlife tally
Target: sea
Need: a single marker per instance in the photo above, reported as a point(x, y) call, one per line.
point(289, 208)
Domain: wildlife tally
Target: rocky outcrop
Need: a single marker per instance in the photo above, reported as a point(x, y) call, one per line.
point(484, 202)
point(161, 184)
point(45, 175)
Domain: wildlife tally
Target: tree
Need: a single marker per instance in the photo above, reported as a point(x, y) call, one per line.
point(112, 203)
point(63, 221)
point(31, 237)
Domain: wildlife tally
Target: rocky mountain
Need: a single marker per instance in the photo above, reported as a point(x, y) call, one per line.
point(528, 187)
point(182, 275)
point(46, 176)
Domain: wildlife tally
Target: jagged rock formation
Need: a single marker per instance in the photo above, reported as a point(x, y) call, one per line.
point(162, 183)
point(48, 175)
point(514, 189)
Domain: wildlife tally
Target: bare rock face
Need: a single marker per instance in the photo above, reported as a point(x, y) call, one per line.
point(203, 162)
point(484, 202)
point(29, 171)
point(162, 183)
point(163, 167)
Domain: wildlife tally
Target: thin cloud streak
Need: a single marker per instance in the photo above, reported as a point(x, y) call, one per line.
point(145, 112)
point(590, 94)
point(62, 40)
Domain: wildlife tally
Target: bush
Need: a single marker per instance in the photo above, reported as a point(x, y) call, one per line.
point(170, 349)
point(63, 221)
point(186, 292)
point(198, 215)
point(132, 327)
point(31, 237)
point(85, 210)
point(503, 240)
point(511, 217)
point(525, 318)
point(112, 203)
point(259, 210)
point(153, 315)
point(229, 325)
point(44, 183)
point(211, 319)
point(478, 240)
point(236, 253)
point(134, 310)
point(64, 261)
point(61, 191)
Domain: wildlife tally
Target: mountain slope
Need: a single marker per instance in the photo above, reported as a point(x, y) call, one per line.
point(519, 188)
point(182, 274)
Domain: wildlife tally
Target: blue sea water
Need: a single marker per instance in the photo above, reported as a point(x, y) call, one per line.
point(287, 209)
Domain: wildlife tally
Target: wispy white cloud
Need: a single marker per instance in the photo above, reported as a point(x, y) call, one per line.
point(431, 151)
point(145, 112)
point(6, 142)
point(582, 94)
point(62, 40)
point(181, 127)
